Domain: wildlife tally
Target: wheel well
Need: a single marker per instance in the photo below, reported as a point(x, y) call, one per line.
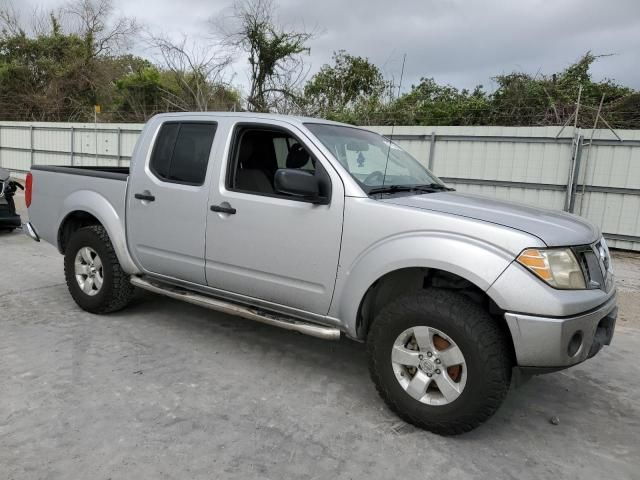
point(72, 223)
point(405, 280)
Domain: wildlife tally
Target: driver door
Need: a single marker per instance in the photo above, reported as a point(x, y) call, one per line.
point(274, 247)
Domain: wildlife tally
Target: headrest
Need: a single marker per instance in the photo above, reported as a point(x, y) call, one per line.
point(257, 151)
point(297, 156)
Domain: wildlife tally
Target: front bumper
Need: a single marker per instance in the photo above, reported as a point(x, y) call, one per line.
point(556, 343)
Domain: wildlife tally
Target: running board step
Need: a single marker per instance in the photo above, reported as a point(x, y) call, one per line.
point(319, 331)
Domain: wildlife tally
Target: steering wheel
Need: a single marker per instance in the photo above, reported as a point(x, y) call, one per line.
point(369, 180)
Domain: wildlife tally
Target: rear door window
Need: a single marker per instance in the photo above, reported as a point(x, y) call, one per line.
point(181, 152)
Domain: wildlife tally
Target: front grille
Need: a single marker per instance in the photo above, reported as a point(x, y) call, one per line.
point(596, 264)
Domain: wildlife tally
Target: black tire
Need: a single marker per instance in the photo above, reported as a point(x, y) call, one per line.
point(116, 291)
point(482, 342)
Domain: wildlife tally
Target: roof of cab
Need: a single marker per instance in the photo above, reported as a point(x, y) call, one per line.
point(298, 120)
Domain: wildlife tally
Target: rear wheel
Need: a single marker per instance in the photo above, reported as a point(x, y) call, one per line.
point(94, 276)
point(439, 361)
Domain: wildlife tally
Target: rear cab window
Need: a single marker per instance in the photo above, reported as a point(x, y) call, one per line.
point(181, 152)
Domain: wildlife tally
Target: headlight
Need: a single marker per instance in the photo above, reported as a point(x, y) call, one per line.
point(556, 266)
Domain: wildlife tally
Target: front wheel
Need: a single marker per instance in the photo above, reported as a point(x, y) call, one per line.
point(94, 276)
point(439, 361)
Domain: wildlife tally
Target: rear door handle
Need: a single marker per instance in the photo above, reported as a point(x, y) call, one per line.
point(221, 209)
point(144, 196)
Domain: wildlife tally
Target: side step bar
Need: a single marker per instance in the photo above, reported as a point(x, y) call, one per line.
point(319, 331)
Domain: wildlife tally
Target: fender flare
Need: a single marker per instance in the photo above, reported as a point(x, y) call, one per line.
point(474, 260)
point(95, 204)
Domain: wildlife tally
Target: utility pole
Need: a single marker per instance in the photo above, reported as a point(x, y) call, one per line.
point(573, 116)
point(575, 120)
point(586, 160)
point(574, 167)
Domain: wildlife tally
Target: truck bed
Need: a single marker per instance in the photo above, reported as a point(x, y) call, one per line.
point(59, 191)
point(113, 173)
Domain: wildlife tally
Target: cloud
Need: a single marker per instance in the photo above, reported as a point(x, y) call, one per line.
point(467, 42)
point(461, 42)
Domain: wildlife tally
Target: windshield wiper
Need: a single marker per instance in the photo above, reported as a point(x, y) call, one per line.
point(439, 186)
point(431, 187)
point(391, 189)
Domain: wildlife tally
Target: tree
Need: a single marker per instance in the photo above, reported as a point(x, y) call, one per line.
point(350, 89)
point(58, 64)
point(42, 78)
point(61, 67)
point(140, 92)
point(522, 99)
point(519, 99)
point(197, 71)
point(10, 20)
point(102, 31)
point(429, 103)
point(274, 53)
point(624, 112)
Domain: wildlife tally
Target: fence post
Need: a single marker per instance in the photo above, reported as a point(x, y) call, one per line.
point(574, 172)
point(73, 140)
point(118, 151)
point(432, 147)
point(30, 146)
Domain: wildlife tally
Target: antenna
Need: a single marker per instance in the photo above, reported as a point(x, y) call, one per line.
point(393, 125)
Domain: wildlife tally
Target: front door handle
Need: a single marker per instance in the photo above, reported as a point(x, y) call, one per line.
point(144, 196)
point(220, 209)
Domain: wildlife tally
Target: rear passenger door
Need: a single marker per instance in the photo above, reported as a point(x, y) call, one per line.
point(167, 200)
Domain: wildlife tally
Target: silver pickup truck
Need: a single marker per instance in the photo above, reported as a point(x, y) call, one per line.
point(327, 229)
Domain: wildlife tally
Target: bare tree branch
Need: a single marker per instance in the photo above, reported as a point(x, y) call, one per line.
point(197, 68)
point(91, 20)
point(9, 19)
point(274, 51)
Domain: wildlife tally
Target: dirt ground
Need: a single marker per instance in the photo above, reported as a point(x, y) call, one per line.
point(166, 390)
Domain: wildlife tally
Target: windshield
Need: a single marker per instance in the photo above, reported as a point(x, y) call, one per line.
point(364, 154)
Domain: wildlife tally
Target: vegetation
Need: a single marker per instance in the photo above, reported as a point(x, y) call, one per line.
point(351, 90)
point(77, 57)
point(273, 53)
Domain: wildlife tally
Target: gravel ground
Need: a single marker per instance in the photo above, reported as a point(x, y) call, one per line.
point(627, 269)
point(167, 390)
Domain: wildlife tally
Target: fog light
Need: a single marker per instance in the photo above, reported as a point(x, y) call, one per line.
point(575, 344)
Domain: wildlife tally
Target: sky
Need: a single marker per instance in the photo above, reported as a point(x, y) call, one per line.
point(459, 42)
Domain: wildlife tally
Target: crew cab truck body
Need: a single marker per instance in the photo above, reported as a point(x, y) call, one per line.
point(327, 229)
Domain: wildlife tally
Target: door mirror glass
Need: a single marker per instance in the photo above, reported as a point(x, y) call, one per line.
point(4, 174)
point(299, 183)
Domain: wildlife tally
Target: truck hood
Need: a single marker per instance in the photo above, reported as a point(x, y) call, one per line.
point(552, 227)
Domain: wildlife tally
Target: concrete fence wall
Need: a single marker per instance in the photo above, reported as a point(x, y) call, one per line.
point(591, 173)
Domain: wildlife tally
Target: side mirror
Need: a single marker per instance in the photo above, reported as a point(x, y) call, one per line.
point(299, 183)
point(4, 174)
